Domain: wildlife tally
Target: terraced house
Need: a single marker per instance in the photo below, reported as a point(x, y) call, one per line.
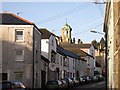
point(112, 30)
point(21, 50)
point(86, 51)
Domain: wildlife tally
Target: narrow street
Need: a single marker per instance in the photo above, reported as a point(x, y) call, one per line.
point(92, 86)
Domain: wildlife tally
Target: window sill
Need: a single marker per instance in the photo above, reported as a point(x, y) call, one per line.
point(19, 61)
point(19, 41)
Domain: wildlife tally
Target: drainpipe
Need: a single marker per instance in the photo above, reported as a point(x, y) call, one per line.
point(106, 67)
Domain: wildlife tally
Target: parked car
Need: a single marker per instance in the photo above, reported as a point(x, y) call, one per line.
point(53, 84)
point(19, 86)
point(70, 82)
point(6, 85)
point(81, 81)
point(100, 77)
point(88, 78)
point(75, 80)
point(94, 78)
point(84, 77)
point(9, 85)
point(64, 84)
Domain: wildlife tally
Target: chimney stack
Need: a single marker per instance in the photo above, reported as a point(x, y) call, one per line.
point(74, 40)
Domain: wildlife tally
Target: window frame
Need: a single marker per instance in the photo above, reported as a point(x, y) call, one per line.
point(17, 40)
point(22, 56)
point(18, 75)
point(53, 58)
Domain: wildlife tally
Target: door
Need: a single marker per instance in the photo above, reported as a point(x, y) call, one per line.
point(43, 78)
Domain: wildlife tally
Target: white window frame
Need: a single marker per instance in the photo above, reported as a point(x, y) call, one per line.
point(21, 55)
point(16, 35)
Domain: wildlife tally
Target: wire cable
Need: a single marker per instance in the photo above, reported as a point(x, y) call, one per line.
point(65, 13)
point(87, 29)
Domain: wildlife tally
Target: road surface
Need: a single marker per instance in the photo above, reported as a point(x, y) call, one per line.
point(92, 86)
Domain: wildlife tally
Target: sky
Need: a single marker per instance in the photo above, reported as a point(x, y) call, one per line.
point(81, 16)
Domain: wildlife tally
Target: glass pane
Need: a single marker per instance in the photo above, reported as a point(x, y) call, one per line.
point(19, 52)
point(19, 35)
point(19, 32)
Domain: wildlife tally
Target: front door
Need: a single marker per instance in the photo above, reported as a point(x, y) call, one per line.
point(43, 78)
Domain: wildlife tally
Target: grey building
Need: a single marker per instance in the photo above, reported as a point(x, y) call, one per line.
point(21, 50)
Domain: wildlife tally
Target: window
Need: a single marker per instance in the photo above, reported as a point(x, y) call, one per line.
point(4, 76)
point(68, 62)
point(18, 76)
point(19, 35)
point(64, 63)
point(73, 64)
point(61, 60)
point(57, 61)
point(52, 57)
point(19, 55)
point(70, 74)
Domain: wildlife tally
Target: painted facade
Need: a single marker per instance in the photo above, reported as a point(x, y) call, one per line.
point(111, 28)
point(21, 48)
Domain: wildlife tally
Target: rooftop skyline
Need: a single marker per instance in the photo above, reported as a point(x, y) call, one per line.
point(81, 16)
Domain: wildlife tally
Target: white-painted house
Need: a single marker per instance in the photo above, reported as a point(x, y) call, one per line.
point(85, 51)
point(62, 63)
point(48, 50)
point(67, 63)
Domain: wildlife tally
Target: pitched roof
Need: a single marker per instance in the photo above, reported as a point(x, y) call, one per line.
point(12, 19)
point(66, 52)
point(77, 51)
point(75, 45)
point(75, 48)
point(46, 33)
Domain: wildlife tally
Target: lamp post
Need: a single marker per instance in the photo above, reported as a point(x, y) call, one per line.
point(105, 34)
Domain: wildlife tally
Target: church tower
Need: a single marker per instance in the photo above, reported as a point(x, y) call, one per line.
point(66, 33)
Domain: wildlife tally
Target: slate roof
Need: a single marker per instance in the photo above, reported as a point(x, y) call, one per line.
point(75, 48)
point(66, 52)
point(12, 19)
point(75, 45)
